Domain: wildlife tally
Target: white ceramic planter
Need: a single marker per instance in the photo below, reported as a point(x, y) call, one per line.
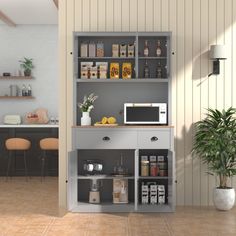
point(85, 119)
point(223, 198)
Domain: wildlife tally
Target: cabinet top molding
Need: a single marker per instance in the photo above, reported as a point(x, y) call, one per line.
point(117, 34)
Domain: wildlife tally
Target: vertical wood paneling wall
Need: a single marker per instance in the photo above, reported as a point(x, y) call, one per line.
point(195, 25)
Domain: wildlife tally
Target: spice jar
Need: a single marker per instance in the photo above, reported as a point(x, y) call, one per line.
point(153, 169)
point(153, 166)
point(144, 168)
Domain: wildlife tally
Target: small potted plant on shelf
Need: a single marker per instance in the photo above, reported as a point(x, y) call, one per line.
point(27, 66)
point(86, 107)
point(215, 144)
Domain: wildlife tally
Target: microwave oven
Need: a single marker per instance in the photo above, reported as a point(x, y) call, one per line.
point(145, 113)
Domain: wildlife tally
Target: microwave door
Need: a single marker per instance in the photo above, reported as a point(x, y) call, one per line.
point(142, 115)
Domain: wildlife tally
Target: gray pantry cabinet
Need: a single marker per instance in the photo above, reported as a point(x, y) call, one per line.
point(131, 141)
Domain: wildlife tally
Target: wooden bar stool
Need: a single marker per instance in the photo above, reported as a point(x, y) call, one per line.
point(47, 144)
point(17, 144)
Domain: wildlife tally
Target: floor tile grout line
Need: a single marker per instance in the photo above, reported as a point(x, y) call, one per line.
point(168, 227)
point(48, 226)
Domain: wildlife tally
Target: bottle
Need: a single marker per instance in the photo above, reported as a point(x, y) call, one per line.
point(158, 50)
point(159, 70)
point(29, 92)
point(146, 70)
point(146, 49)
point(23, 90)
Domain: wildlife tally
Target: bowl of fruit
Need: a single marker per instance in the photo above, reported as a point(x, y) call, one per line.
point(106, 121)
point(31, 118)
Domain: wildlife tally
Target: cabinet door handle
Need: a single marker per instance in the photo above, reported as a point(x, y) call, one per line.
point(154, 138)
point(106, 138)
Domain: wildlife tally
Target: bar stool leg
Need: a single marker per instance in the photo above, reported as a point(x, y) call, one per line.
point(8, 164)
point(43, 165)
point(26, 170)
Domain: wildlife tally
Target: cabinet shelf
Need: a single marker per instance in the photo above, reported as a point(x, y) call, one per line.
point(104, 177)
point(102, 207)
point(106, 58)
point(16, 97)
point(15, 77)
point(152, 58)
point(155, 177)
point(141, 80)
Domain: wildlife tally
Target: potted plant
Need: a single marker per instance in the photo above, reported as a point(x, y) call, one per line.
point(27, 66)
point(215, 144)
point(86, 107)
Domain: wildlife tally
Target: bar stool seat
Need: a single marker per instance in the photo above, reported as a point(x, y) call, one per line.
point(17, 144)
point(47, 144)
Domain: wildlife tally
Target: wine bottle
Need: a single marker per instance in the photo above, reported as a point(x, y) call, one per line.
point(146, 49)
point(158, 50)
point(146, 70)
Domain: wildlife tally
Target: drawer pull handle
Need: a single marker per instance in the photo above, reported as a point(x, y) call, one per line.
point(106, 138)
point(154, 138)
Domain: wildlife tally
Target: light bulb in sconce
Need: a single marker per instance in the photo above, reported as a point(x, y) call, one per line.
point(217, 53)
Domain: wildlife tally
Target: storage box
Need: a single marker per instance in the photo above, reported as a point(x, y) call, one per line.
point(115, 50)
point(153, 194)
point(130, 50)
point(93, 72)
point(103, 74)
point(126, 70)
point(114, 70)
point(161, 194)
point(120, 191)
point(144, 193)
point(85, 69)
point(123, 49)
point(84, 74)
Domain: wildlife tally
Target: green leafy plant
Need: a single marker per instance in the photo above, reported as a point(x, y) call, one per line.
point(27, 64)
point(87, 104)
point(215, 143)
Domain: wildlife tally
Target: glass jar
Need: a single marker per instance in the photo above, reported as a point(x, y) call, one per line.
point(153, 169)
point(144, 168)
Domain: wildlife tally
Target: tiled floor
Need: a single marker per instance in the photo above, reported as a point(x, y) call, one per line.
point(30, 209)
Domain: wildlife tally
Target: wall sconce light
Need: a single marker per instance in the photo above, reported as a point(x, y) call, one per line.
point(217, 53)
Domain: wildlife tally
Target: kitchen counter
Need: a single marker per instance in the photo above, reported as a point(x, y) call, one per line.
point(29, 126)
point(34, 133)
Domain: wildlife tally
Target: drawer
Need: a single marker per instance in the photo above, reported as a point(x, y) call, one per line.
point(154, 139)
point(96, 139)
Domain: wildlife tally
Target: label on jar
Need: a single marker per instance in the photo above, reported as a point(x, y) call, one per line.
point(152, 158)
point(160, 158)
point(144, 158)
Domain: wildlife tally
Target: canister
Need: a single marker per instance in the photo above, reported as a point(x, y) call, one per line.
point(84, 49)
point(92, 49)
point(100, 49)
point(144, 168)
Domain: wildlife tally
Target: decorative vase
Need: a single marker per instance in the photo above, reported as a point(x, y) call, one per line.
point(85, 119)
point(223, 198)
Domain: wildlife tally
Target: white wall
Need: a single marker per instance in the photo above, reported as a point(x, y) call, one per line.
point(39, 42)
